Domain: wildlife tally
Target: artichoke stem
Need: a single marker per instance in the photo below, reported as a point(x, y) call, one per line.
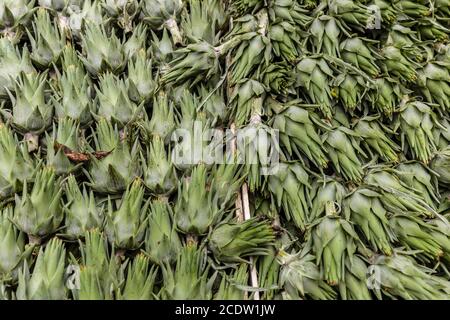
point(33, 240)
point(174, 31)
point(32, 141)
point(191, 239)
point(263, 22)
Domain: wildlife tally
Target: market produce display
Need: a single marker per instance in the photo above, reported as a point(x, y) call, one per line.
point(331, 119)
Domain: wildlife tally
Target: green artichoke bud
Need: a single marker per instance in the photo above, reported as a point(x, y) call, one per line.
point(289, 188)
point(30, 111)
point(350, 90)
point(39, 213)
point(48, 41)
point(114, 102)
point(12, 64)
point(74, 97)
point(258, 148)
point(400, 276)
point(197, 207)
point(47, 280)
point(279, 78)
point(140, 280)
point(162, 50)
point(17, 164)
point(163, 14)
point(325, 32)
point(268, 274)
point(323, 193)
point(136, 42)
point(342, 149)
point(81, 212)
point(199, 23)
point(397, 197)
point(434, 80)
point(162, 243)
point(360, 54)
point(100, 273)
point(441, 165)
point(354, 286)
point(196, 62)
point(253, 52)
point(314, 75)
point(387, 10)
point(298, 134)
point(12, 247)
point(117, 164)
point(88, 12)
point(13, 15)
point(406, 40)
point(189, 279)
point(214, 105)
point(64, 146)
point(140, 82)
point(245, 97)
point(300, 277)
point(159, 173)
point(414, 9)
point(375, 139)
point(440, 232)
point(396, 64)
point(442, 7)
point(122, 12)
point(162, 122)
point(367, 212)
point(241, 7)
point(232, 285)
point(386, 95)
point(421, 179)
point(416, 120)
point(233, 241)
point(227, 179)
point(413, 233)
point(289, 10)
point(334, 241)
point(285, 39)
point(430, 29)
point(125, 227)
point(352, 13)
point(102, 52)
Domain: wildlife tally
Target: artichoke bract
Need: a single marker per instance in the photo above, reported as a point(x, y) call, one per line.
point(39, 213)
